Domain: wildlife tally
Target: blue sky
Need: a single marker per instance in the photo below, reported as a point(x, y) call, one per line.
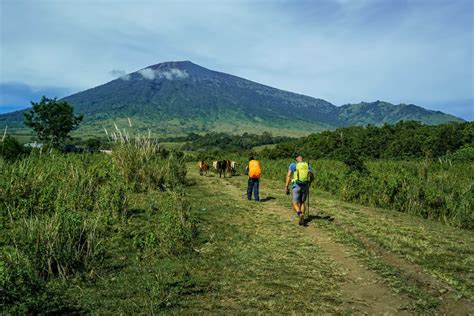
point(344, 51)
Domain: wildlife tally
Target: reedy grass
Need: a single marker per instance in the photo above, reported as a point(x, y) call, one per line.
point(58, 210)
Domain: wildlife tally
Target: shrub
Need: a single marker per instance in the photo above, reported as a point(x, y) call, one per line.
point(464, 154)
point(11, 149)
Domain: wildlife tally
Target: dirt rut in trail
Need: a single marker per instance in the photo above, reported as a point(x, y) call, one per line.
point(449, 304)
point(363, 291)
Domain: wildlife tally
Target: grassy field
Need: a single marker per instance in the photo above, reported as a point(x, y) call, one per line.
point(139, 231)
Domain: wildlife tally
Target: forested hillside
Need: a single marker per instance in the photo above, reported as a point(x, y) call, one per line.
point(404, 140)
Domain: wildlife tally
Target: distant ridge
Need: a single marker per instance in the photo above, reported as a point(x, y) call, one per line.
point(180, 97)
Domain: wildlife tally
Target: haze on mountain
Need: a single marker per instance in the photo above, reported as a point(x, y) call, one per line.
point(175, 98)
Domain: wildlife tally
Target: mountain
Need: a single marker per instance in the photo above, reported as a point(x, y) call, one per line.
point(380, 112)
point(182, 97)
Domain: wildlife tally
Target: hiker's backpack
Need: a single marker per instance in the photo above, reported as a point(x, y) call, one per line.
point(301, 174)
point(255, 171)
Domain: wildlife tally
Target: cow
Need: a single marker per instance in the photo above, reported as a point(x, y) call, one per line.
point(233, 167)
point(221, 167)
point(228, 168)
point(214, 165)
point(203, 167)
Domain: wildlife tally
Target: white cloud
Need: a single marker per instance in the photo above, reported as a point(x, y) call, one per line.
point(120, 74)
point(171, 74)
point(147, 73)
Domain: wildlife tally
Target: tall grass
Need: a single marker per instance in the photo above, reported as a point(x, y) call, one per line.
point(56, 211)
point(49, 183)
point(145, 165)
point(430, 189)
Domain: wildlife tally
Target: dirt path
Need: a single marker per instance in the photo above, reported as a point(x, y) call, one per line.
point(362, 290)
point(394, 284)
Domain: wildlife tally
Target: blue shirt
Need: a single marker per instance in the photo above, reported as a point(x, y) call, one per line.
point(292, 168)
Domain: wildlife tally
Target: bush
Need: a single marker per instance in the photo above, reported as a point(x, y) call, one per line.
point(11, 149)
point(57, 211)
point(464, 154)
point(355, 164)
point(24, 293)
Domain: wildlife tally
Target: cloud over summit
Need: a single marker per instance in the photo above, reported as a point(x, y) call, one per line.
point(171, 74)
point(120, 74)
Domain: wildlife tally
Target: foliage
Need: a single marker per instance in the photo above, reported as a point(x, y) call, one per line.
point(405, 140)
point(52, 120)
point(226, 142)
point(463, 154)
point(49, 183)
point(58, 212)
point(355, 164)
point(175, 229)
point(93, 144)
point(11, 149)
point(433, 190)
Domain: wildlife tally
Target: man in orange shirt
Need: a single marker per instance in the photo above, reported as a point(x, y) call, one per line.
point(254, 171)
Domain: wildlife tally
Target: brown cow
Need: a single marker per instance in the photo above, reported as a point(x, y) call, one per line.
point(231, 167)
point(203, 167)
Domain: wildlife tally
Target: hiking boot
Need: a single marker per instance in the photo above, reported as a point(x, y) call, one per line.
point(301, 221)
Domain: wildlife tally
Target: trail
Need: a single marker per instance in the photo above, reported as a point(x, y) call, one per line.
point(363, 291)
point(360, 288)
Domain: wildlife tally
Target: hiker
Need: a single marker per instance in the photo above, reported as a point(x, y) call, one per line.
point(254, 171)
point(300, 175)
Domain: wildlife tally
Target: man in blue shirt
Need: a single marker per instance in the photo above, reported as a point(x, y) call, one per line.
point(300, 175)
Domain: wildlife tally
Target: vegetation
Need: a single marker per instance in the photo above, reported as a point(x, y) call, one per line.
point(64, 216)
point(404, 140)
point(11, 149)
point(215, 142)
point(138, 231)
point(208, 101)
point(52, 120)
point(432, 190)
point(419, 258)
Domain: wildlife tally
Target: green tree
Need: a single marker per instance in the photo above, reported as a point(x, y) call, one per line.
point(52, 120)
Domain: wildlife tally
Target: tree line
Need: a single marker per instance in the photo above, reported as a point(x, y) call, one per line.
point(233, 143)
point(404, 140)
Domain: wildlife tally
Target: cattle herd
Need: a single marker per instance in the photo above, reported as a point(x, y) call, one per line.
point(222, 167)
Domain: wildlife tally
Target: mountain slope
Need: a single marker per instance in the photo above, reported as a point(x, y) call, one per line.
point(182, 97)
point(380, 112)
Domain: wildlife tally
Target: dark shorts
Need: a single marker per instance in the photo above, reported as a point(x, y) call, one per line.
point(300, 193)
